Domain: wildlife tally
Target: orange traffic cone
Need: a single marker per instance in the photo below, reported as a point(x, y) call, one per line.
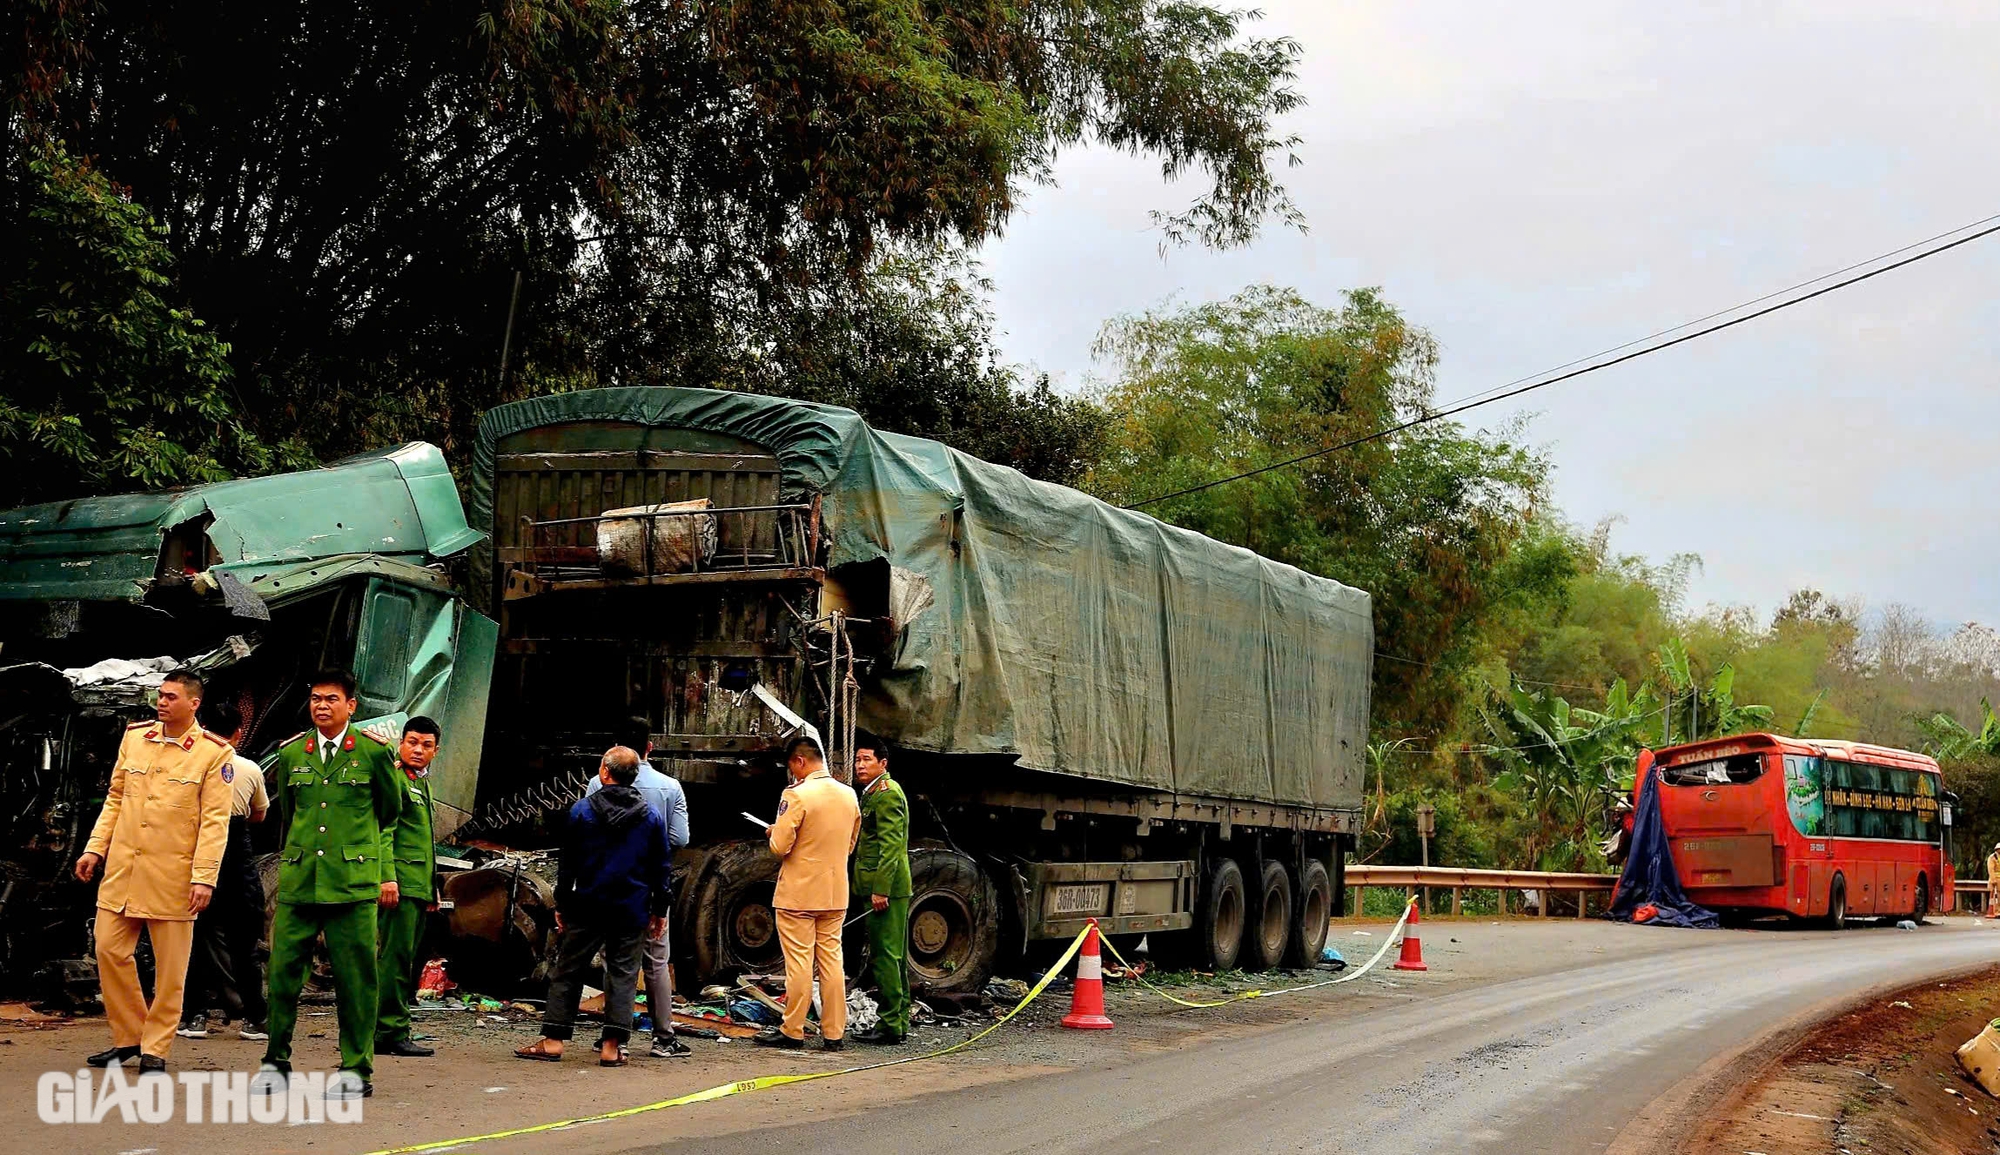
point(1086, 1002)
point(1412, 958)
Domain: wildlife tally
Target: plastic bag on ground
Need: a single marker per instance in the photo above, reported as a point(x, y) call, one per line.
point(862, 1014)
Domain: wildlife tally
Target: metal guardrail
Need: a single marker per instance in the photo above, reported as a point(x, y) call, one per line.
point(1428, 878)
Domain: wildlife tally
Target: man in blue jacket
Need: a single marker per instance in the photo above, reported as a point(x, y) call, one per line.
point(667, 799)
point(611, 895)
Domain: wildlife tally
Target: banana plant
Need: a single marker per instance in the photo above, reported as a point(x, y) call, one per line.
point(1566, 764)
point(1695, 712)
point(1947, 739)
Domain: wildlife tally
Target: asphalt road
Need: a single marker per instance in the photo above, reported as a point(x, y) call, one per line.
point(1555, 1062)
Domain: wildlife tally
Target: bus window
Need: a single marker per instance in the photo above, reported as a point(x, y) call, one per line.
point(1734, 770)
point(1866, 801)
point(1805, 794)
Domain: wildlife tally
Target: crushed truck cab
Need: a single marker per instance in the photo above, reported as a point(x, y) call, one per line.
point(255, 583)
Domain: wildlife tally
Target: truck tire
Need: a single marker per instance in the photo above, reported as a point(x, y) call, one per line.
point(1219, 917)
point(1923, 907)
point(733, 928)
point(954, 922)
point(1312, 914)
point(1270, 929)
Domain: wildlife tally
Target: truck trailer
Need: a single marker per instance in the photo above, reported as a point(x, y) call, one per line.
point(1096, 715)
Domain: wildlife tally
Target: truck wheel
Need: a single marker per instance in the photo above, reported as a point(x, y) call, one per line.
point(954, 922)
point(1312, 914)
point(1219, 917)
point(1836, 904)
point(734, 927)
point(1271, 931)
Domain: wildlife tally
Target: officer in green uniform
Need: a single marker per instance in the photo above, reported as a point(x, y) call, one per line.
point(882, 872)
point(339, 796)
point(399, 928)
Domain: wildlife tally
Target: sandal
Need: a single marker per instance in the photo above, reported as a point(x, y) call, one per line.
point(617, 1062)
point(534, 1051)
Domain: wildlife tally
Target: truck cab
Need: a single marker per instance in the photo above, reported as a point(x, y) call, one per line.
point(255, 583)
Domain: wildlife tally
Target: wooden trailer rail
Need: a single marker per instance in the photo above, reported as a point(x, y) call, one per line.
point(1424, 879)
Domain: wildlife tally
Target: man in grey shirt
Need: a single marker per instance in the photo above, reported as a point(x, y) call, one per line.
point(665, 796)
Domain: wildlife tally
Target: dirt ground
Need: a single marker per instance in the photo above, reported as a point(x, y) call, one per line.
point(1880, 1079)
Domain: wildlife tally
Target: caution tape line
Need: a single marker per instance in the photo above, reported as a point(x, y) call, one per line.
point(1394, 936)
point(746, 1086)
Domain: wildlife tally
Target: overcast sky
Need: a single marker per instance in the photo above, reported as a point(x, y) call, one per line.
point(1534, 183)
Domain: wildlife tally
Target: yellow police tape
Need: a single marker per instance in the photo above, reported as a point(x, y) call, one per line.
point(766, 1082)
point(745, 1086)
point(1394, 936)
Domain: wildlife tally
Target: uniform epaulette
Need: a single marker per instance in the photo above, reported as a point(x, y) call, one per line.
point(214, 739)
point(136, 725)
point(293, 738)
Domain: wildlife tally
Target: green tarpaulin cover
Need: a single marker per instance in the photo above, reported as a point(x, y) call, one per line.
point(1085, 639)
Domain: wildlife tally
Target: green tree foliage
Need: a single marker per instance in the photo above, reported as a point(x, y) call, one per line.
point(1427, 521)
point(697, 192)
point(1567, 764)
point(106, 378)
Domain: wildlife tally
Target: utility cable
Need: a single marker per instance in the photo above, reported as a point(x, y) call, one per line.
point(1731, 309)
point(1508, 393)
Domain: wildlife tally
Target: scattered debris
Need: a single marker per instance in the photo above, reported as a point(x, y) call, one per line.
point(434, 984)
point(1980, 1058)
point(1903, 1003)
point(862, 1013)
point(1006, 990)
point(1906, 924)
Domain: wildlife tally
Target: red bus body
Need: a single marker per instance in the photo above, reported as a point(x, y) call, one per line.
point(1763, 824)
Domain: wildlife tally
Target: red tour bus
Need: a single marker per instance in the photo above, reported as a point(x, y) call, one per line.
point(1761, 824)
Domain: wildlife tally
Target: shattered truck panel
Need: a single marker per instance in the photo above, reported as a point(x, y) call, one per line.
point(395, 503)
point(1044, 625)
point(256, 583)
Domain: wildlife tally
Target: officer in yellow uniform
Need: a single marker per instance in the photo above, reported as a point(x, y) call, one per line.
point(399, 928)
point(818, 821)
point(159, 839)
point(339, 795)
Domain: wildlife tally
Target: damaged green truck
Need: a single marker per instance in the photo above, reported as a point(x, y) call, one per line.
point(1097, 715)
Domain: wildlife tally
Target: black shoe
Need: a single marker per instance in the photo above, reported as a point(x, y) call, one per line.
point(348, 1085)
point(669, 1047)
point(114, 1055)
point(254, 1032)
point(773, 1037)
point(271, 1079)
point(193, 1029)
point(833, 1044)
point(152, 1065)
point(403, 1047)
point(880, 1037)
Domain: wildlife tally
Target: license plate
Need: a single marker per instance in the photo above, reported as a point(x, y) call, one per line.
point(1082, 898)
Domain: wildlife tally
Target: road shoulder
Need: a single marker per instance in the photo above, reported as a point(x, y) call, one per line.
point(1873, 1073)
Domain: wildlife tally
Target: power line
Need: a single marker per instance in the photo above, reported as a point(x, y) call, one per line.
point(1731, 309)
point(1507, 393)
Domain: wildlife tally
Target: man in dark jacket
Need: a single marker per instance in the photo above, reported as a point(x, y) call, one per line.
point(611, 895)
